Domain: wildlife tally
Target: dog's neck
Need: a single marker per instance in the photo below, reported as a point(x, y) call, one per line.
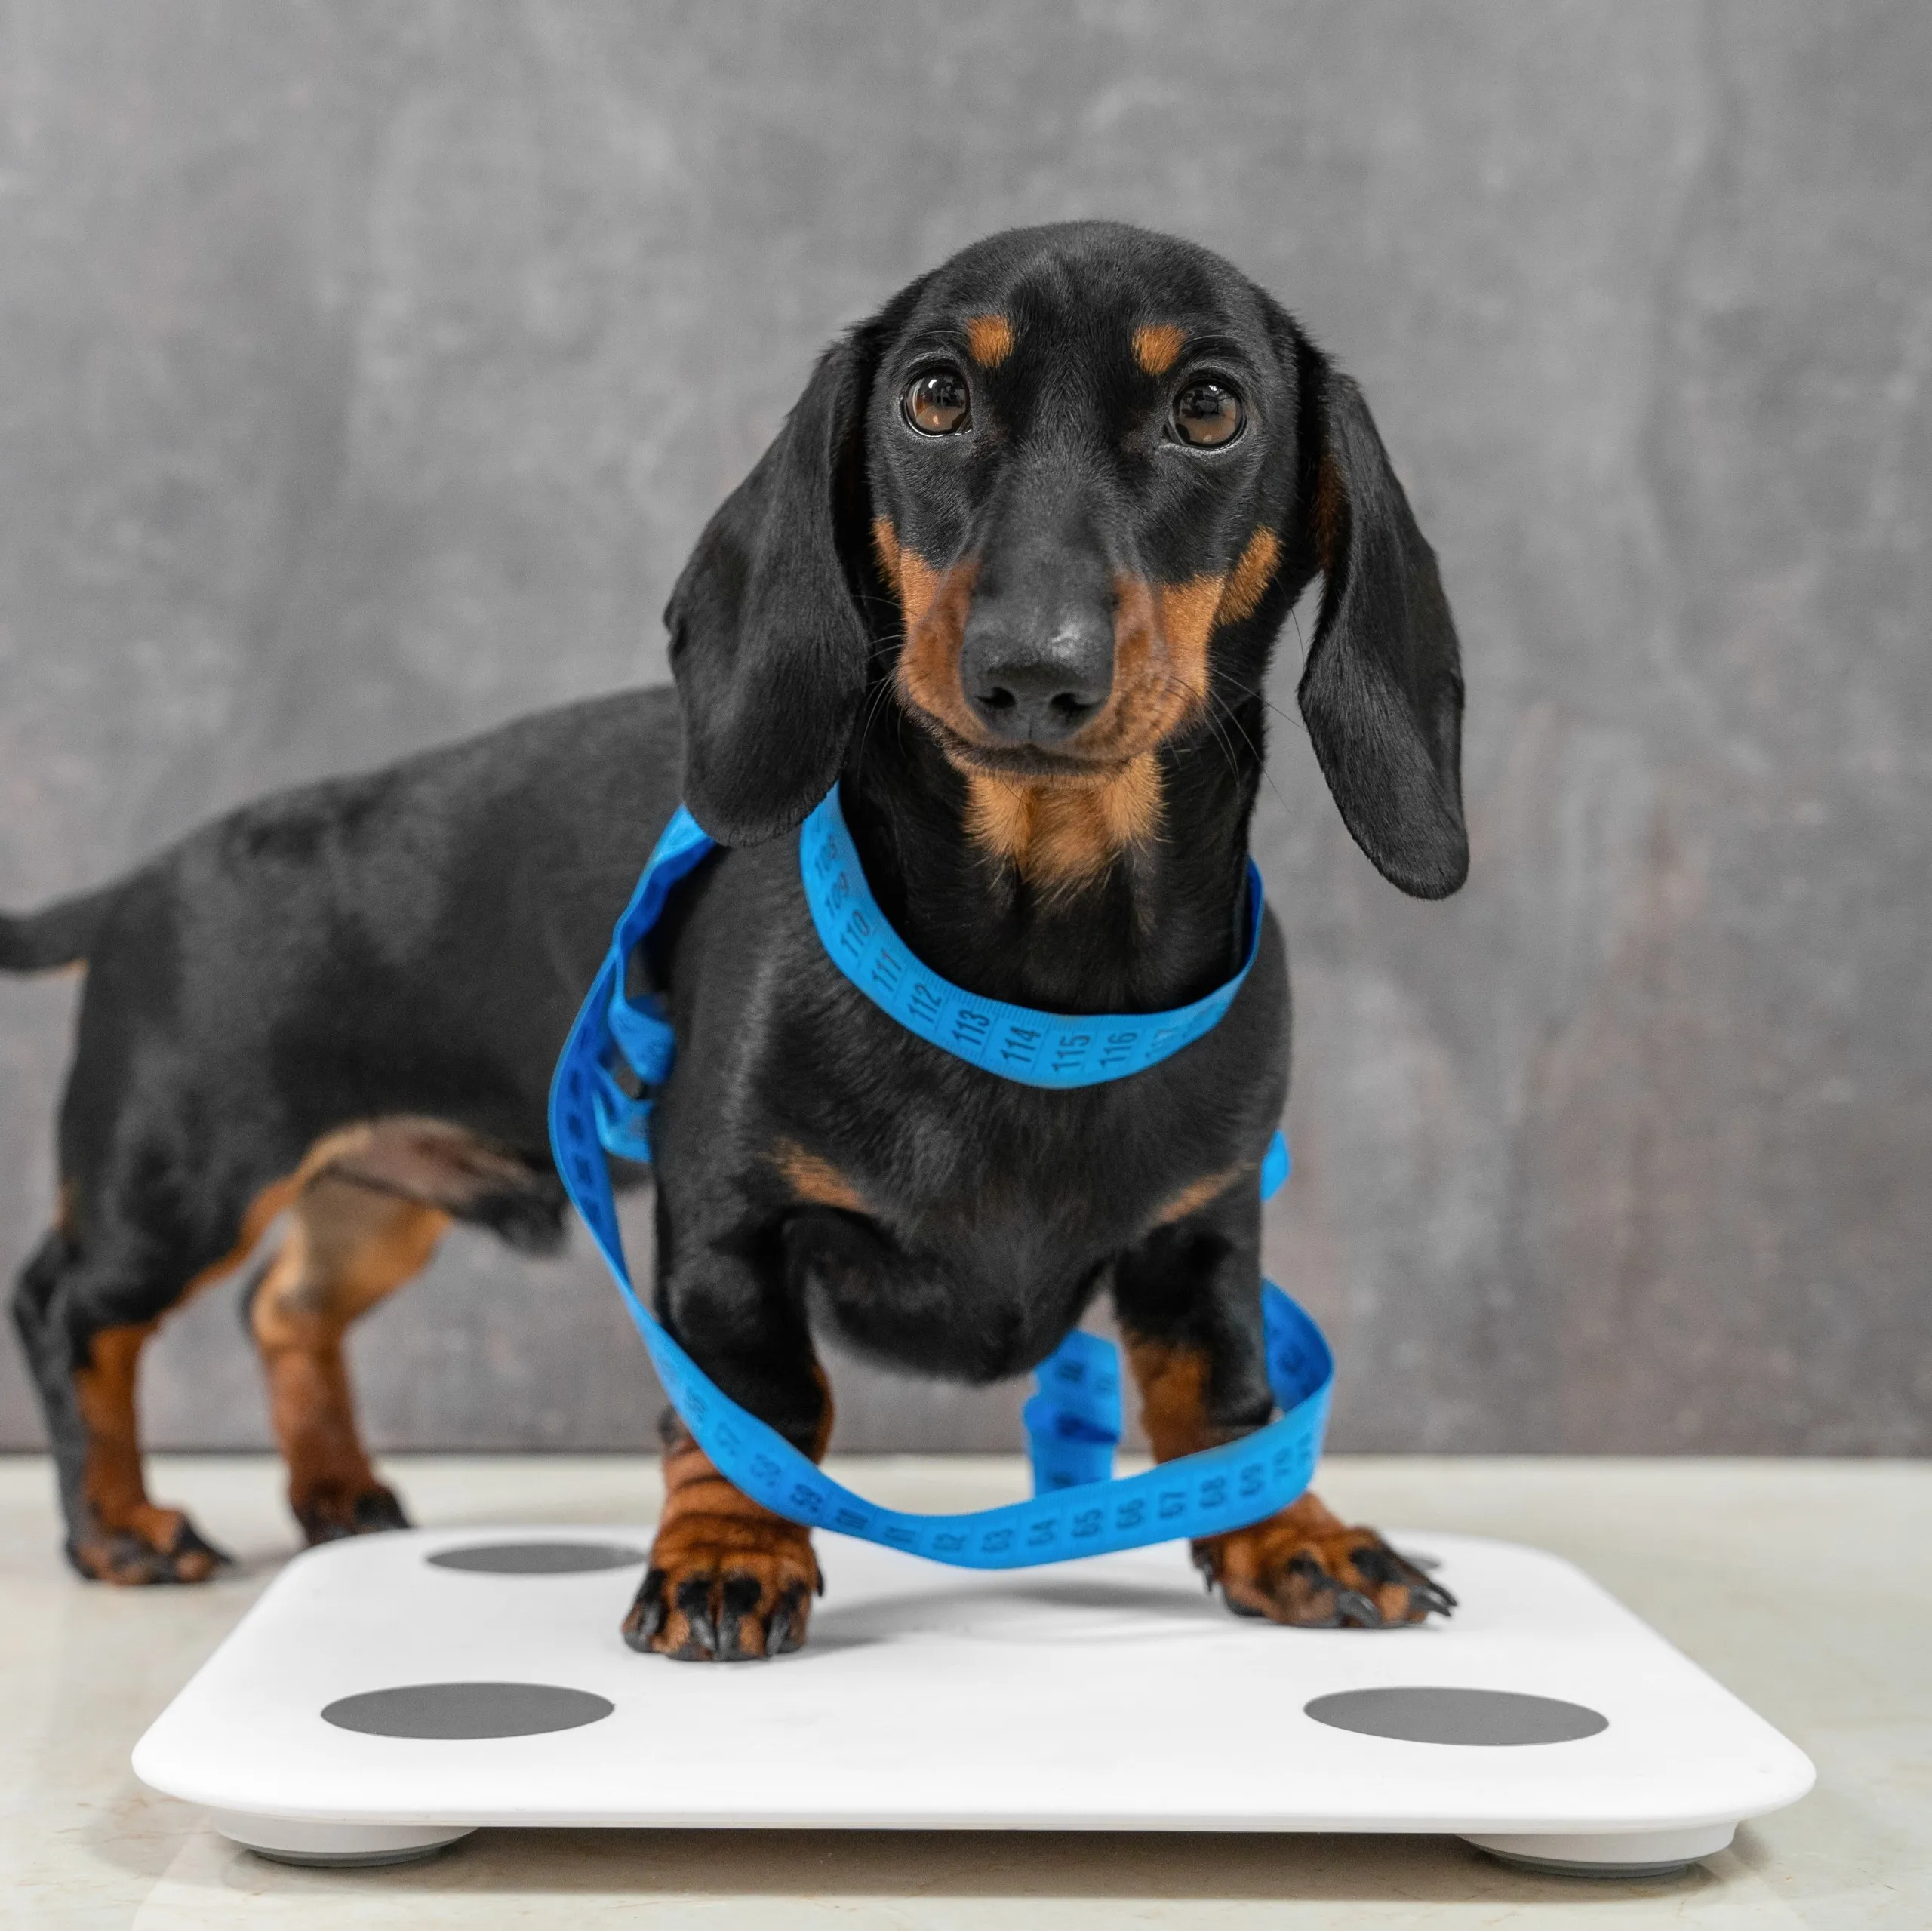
point(1117, 901)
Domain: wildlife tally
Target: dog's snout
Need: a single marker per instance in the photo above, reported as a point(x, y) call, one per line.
point(1037, 686)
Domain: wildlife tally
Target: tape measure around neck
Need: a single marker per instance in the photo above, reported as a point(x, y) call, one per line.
point(1017, 1042)
point(1074, 1422)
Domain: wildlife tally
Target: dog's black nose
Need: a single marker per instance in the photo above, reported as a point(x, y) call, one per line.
point(1037, 690)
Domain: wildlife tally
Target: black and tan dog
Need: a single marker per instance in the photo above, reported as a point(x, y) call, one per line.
point(1012, 571)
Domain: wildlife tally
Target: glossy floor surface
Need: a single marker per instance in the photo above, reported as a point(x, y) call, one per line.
point(1805, 1587)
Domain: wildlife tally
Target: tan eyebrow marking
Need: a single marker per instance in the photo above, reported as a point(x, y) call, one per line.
point(989, 340)
point(1157, 346)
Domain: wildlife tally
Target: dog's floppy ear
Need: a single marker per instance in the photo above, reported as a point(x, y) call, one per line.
point(1381, 693)
point(767, 643)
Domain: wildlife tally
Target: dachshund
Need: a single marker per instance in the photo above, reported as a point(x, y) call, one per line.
point(1011, 574)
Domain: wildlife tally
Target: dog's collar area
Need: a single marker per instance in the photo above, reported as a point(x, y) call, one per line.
point(1073, 1422)
point(1016, 1042)
point(1013, 1042)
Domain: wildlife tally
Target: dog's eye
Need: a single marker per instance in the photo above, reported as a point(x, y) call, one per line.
point(1207, 414)
point(938, 404)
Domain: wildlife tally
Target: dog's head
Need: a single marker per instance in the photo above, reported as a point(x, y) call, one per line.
point(1061, 493)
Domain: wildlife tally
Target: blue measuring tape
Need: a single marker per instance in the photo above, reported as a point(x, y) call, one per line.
point(1074, 1422)
point(1037, 1049)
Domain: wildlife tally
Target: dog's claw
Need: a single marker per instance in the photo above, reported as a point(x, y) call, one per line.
point(694, 1602)
point(1353, 1606)
point(739, 1609)
point(785, 1629)
point(1388, 1567)
point(1427, 1589)
point(647, 1611)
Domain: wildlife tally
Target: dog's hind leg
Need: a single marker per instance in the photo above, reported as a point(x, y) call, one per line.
point(349, 1245)
point(84, 1310)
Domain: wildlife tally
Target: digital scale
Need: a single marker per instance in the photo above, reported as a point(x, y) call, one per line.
point(390, 1694)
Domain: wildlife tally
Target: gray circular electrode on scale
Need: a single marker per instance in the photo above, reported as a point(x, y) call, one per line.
point(537, 1558)
point(1436, 1713)
point(466, 1711)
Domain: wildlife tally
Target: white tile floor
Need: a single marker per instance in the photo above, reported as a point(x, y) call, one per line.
point(1806, 1587)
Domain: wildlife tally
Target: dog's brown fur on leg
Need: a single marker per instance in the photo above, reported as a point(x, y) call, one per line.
point(129, 1538)
point(347, 1247)
point(1303, 1565)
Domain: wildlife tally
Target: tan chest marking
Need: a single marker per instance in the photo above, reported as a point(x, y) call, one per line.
point(814, 1181)
point(1059, 836)
point(1197, 1194)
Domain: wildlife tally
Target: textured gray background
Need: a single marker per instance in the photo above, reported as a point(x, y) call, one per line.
point(365, 370)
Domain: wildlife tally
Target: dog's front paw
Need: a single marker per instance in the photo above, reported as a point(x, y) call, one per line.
point(725, 1589)
point(1306, 1566)
point(329, 1513)
point(156, 1545)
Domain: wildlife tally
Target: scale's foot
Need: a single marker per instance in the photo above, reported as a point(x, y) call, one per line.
point(1624, 1854)
point(310, 1840)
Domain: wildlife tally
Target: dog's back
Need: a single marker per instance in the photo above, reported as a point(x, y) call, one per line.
point(327, 947)
point(290, 944)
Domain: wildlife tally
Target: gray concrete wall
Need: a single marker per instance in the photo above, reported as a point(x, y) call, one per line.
point(365, 370)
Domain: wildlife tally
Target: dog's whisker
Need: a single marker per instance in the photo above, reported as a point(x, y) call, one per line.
point(1261, 763)
point(874, 704)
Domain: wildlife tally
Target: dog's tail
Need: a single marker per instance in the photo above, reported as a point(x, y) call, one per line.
point(57, 935)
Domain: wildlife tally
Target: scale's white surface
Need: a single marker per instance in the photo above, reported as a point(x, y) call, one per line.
point(1109, 1694)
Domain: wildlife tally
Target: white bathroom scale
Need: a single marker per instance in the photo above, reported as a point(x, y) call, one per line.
point(390, 1694)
